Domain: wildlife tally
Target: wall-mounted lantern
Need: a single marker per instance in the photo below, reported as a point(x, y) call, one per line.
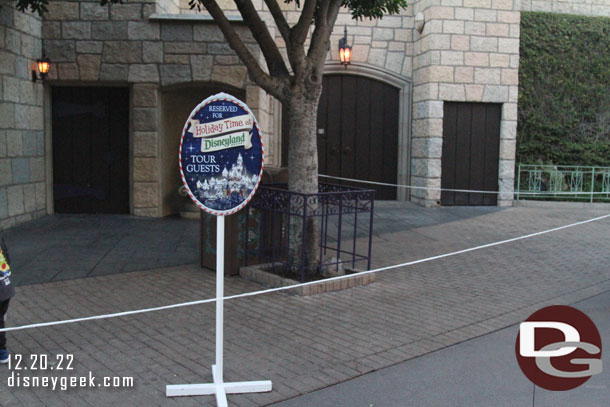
point(345, 51)
point(43, 64)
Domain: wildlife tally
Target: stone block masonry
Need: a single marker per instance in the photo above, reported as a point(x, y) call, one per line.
point(126, 45)
point(386, 44)
point(468, 51)
point(22, 152)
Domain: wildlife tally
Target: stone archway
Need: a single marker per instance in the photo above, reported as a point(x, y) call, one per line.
point(404, 85)
point(357, 131)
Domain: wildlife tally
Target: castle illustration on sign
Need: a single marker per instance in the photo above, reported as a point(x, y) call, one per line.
point(232, 187)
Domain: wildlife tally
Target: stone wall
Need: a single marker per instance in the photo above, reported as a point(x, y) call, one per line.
point(581, 7)
point(385, 43)
point(168, 6)
point(22, 152)
point(148, 52)
point(468, 52)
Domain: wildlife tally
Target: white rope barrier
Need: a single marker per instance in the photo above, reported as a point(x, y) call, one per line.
point(289, 287)
point(475, 191)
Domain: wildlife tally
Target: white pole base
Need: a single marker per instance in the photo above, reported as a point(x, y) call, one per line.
point(219, 388)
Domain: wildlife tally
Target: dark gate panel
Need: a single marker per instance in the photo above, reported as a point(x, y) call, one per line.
point(358, 131)
point(91, 149)
point(471, 151)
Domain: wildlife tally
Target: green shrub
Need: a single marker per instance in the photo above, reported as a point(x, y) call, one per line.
point(564, 90)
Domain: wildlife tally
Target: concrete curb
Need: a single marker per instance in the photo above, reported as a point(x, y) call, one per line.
point(561, 205)
point(258, 275)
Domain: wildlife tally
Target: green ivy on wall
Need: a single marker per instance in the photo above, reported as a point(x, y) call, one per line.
point(564, 90)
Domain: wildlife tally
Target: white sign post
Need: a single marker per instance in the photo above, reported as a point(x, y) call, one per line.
point(208, 125)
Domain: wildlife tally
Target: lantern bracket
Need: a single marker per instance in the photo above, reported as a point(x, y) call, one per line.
point(42, 67)
point(345, 51)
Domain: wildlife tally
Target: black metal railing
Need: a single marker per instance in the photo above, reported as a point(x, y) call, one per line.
point(334, 211)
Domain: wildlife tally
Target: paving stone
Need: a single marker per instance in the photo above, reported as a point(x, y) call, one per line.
point(302, 344)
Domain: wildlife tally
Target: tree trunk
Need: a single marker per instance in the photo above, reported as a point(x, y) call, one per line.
point(302, 145)
point(303, 176)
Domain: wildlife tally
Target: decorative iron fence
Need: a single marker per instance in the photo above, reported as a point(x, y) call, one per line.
point(562, 182)
point(343, 217)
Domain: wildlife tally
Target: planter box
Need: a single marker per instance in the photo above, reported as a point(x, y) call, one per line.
point(259, 275)
point(236, 227)
point(261, 232)
point(339, 215)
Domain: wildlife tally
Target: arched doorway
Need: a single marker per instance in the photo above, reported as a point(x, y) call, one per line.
point(177, 105)
point(358, 129)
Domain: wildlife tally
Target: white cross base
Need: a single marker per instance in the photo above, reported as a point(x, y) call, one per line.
point(219, 388)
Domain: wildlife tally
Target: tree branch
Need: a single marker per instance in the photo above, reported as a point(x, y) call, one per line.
point(261, 34)
point(301, 28)
point(280, 20)
point(275, 87)
point(298, 35)
point(320, 39)
point(333, 12)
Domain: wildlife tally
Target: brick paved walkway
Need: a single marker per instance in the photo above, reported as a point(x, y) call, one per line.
point(303, 344)
point(63, 247)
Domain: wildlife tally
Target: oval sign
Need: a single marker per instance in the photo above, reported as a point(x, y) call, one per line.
point(221, 155)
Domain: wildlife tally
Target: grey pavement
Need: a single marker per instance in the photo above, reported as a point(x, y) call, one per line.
point(63, 247)
point(304, 344)
point(478, 372)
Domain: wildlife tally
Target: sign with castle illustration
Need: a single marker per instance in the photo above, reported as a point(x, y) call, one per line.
point(221, 155)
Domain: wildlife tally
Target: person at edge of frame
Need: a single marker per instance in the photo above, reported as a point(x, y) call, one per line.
point(7, 291)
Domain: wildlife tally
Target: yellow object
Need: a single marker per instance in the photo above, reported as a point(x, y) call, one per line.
point(5, 269)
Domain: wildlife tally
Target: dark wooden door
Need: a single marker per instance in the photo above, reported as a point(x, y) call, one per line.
point(358, 131)
point(91, 149)
point(471, 150)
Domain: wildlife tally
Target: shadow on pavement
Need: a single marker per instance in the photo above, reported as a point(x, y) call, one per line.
point(64, 247)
